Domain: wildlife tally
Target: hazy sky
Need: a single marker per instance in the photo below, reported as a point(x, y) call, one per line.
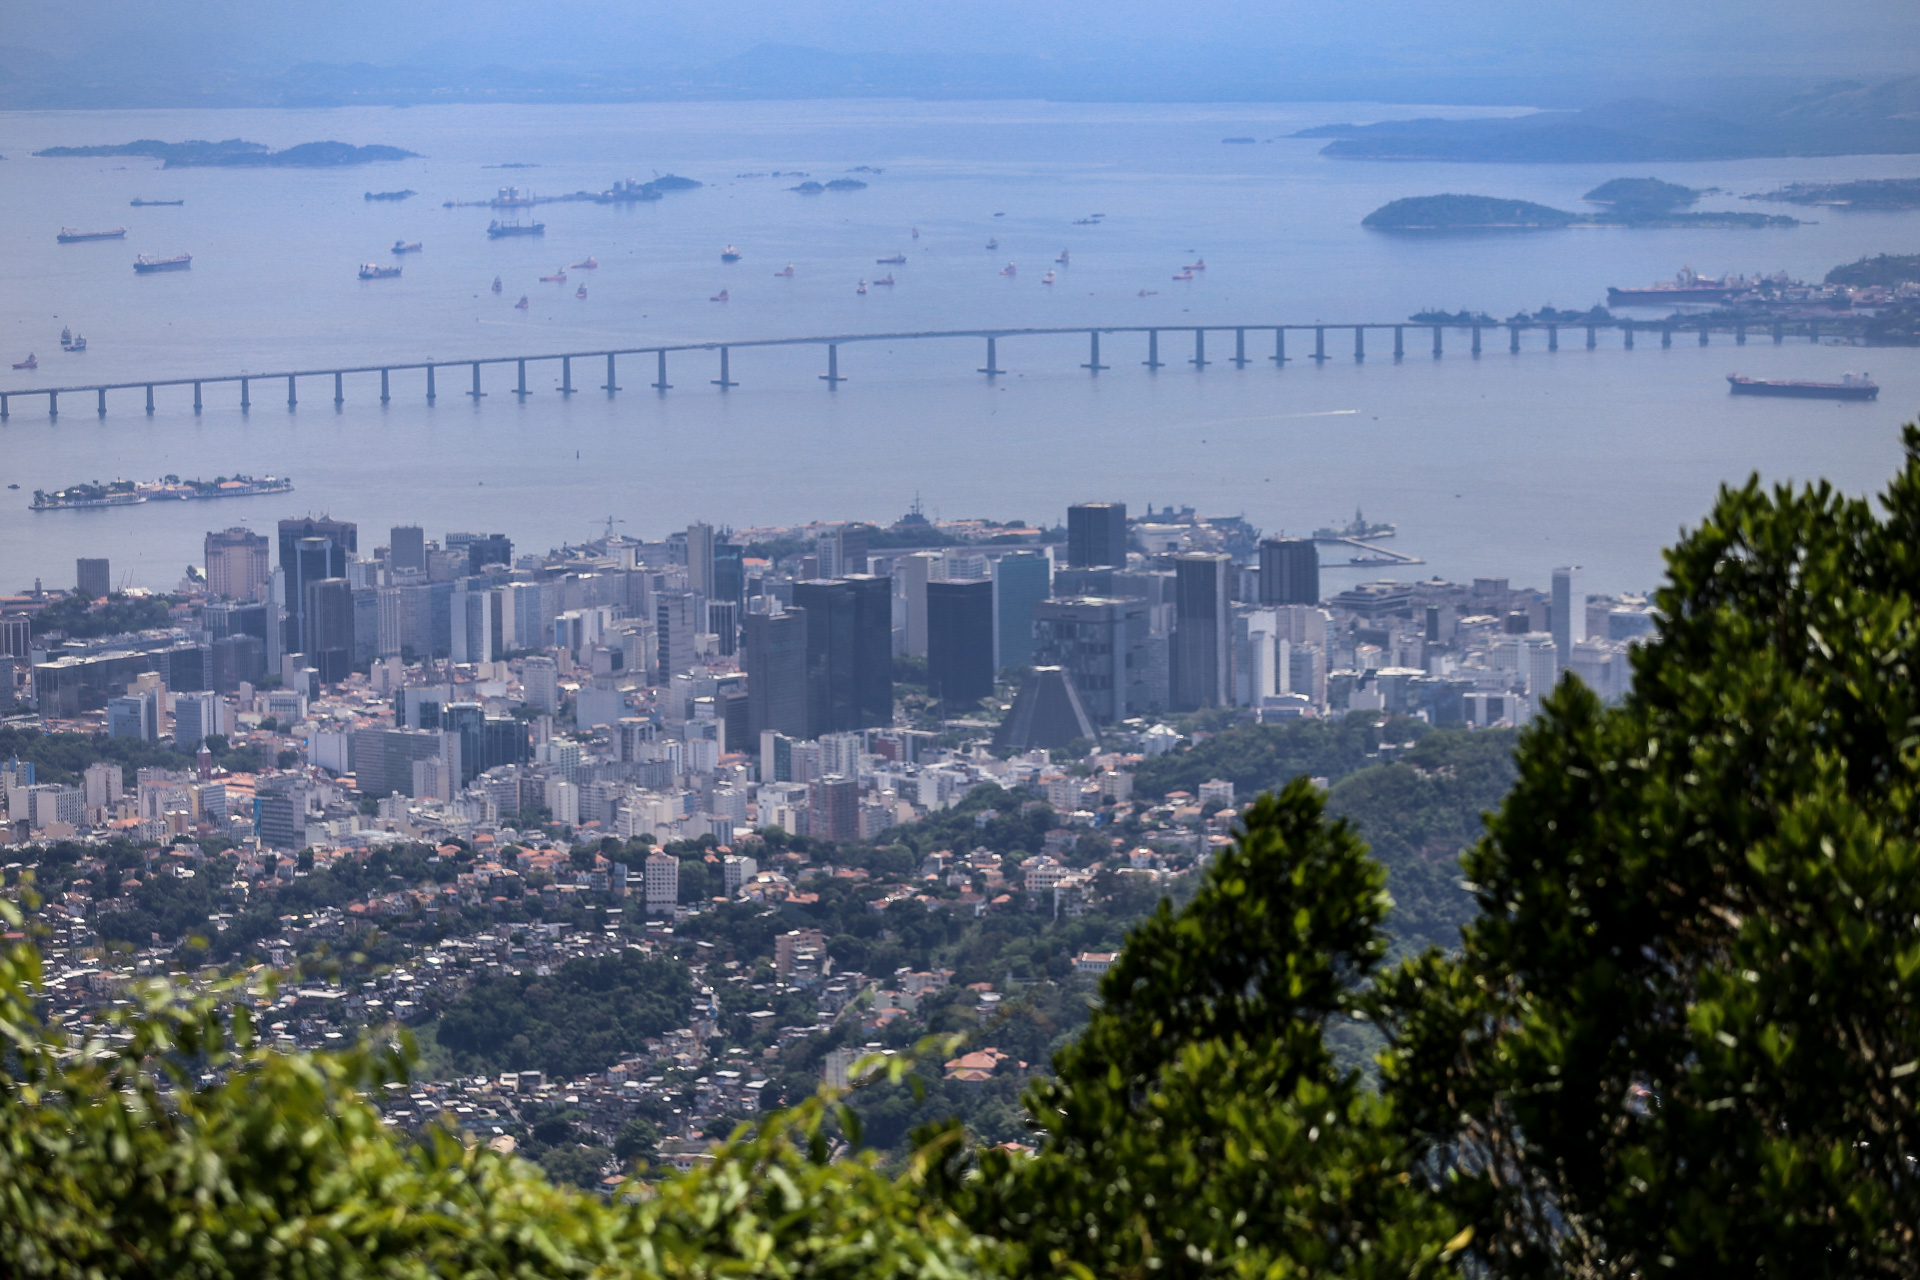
point(1632, 38)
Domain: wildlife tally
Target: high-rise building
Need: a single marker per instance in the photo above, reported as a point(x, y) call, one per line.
point(1097, 534)
point(1200, 667)
point(195, 717)
point(135, 716)
point(488, 548)
point(238, 562)
point(1021, 580)
point(407, 549)
point(310, 549)
point(729, 574)
point(700, 559)
point(960, 641)
point(16, 636)
point(723, 624)
point(911, 576)
point(833, 805)
point(849, 652)
point(1100, 643)
point(1289, 571)
point(677, 621)
point(1047, 712)
point(540, 684)
point(327, 628)
point(775, 658)
point(662, 882)
point(1569, 612)
point(280, 813)
point(93, 578)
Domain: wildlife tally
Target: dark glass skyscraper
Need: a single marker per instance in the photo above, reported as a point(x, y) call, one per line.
point(1097, 534)
point(1200, 668)
point(775, 659)
point(960, 641)
point(326, 619)
point(311, 549)
point(730, 573)
point(849, 652)
point(1289, 571)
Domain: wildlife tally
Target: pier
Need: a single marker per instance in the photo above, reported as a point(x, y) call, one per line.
point(1541, 335)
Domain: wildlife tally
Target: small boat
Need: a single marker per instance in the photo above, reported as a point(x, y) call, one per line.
point(374, 271)
point(138, 203)
point(1009, 270)
point(885, 279)
point(522, 304)
point(78, 344)
point(496, 284)
point(585, 264)
point(406, 246)
point(31, 362)
point(1185, 275)
point(1149, 293)
point(145, 265)
point(1047, 278)
point(786, 271)
point(66, 337)
point(993, 244)
point(558, 277)
point(729, 254)
point(69, 236)
point(581, 292)
point(719, 297)
point(1062, 259)
point(1086, 222)
point(1854, 386)
point(861, 287)
point(896, 260)
point(1198, 264)
point(916, 233)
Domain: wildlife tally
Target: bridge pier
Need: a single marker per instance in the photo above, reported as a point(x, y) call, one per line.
point(384, 396)
point(1553, 337)
point(429, 384)
point(1476, 340)
point(5, 411)
point(521, 388)
point(196, 397)
point(1593, 339)
point(1513, 339)
point(1399, 341)
point(476, 393)
point(1359, 344)
point(292, 399)
point(1703, 335)
point(660, 383)
point(1627, 330)
point(149, 399)
point(1093, 364)
point(1153, 349)
point(1199, 360)
point(613, 384)
point(245, 402)
point(1239, 348)
point(1279, 347)
point(1739, 335)
point(1320, 345)
point(1666, 335)
point(1779, 334)
point(103, 402)
point(991, 369)
point(53, 404)
point(566, 375)
point(830, 377)
point(723, 381)
point(1813, 332)
point(338, 396)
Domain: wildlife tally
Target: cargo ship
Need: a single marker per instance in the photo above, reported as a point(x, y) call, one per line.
point(1685, 286)
point(69, 236)
point(138, 203)
point(374, 271)
point(497, 230)
point(146, 265)
point(1854, 386)
point(128, 493)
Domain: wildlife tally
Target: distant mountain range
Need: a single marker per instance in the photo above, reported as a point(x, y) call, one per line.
point(1842, 118)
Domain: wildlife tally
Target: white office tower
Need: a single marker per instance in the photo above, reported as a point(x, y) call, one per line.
point(102, 785)
point(540, 684)
point(563, 801)
point(1569, 611)
point(737, 869)
point(911, 574)
point(662, 882)
point(434, 780)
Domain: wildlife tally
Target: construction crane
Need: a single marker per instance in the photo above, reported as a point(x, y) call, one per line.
point(609, 522)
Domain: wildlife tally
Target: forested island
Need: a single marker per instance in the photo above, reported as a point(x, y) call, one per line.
point(237, 153)
point(1454, 212)
point(1866, 193)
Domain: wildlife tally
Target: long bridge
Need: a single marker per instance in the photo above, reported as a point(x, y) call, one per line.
point(1665, 330)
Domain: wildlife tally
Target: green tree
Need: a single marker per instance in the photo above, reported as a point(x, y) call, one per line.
point(1683, 1035)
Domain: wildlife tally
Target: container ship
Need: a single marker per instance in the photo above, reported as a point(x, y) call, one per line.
point(127, 493)
point(1684, 287)
point(1851, 387)
point(146, 265)
point(70, 236)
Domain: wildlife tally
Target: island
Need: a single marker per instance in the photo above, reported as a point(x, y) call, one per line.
point(838, 184)
point(1888, 270)
point(1842, 118)
point(1866, 193)
point(237, 153)
point(391, 195)
point(1634, 205)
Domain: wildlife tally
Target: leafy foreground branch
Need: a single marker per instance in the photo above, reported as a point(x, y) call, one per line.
point(1681, 1036)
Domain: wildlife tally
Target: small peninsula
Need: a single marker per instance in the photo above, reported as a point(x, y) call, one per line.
point(1868, 193)
point(237, 153)
point(1487, 213)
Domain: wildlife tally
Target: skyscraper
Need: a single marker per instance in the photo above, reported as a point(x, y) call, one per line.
point(833, 805)
point(775, 659)
point(849, 652)
point(1569, 618)
point(729, 574)
point(960, 641)
point(326, 620)
point(700, 559)
point(1097, 534)
point(93, 578)
point(912, 574)
point(1289, 571)
point(1100, 642)
point(311, 549)
point(195, 715)
point(676, 622)
point(489, 548)
point(407, 549)
point(238, 562)
point(1200, 668)
point(1021, 580)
